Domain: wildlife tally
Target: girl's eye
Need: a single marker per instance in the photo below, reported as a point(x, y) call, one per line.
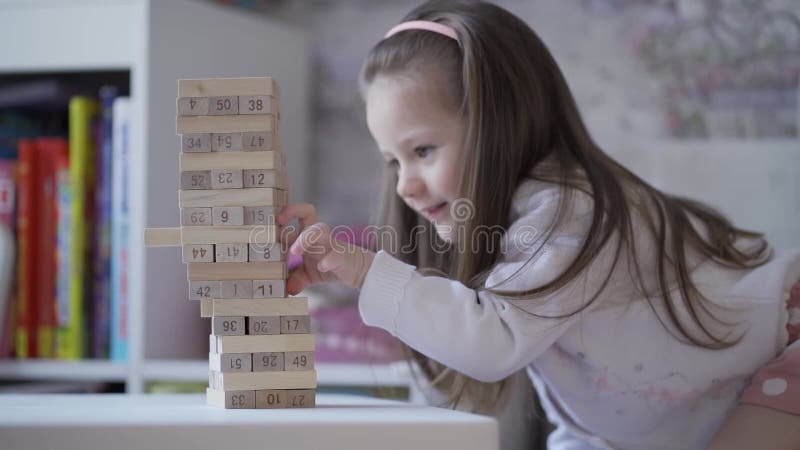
point(423, 150)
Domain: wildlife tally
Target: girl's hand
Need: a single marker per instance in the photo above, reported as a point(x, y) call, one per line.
point(324, 258)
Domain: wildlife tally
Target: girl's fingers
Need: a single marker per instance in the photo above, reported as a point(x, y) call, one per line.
point(349, 266)
point(305, 213)
point(314, 241)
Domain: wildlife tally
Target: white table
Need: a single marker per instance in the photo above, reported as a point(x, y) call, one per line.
point(183, 421)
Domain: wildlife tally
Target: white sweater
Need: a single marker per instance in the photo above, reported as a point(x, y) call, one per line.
point(610, 376)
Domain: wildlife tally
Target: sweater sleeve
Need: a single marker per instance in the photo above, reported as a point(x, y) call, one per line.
point(476, 332)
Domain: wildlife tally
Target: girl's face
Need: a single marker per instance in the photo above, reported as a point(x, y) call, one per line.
point(420, 136)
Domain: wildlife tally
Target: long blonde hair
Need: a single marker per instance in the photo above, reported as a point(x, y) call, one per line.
point(518, 110)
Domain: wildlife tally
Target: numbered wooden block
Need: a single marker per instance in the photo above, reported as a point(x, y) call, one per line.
point(226, 179)
point(299, 360)
point(196, 217)
point(268, 362)
point(269, 288)
point(271, 270)
point(228, 86)
point(251, 234)
point(258, 342)
point(266, 252)
point(225, 124)
point(230, 253)
point(198, 253)
point(295, 324)
point(201, 290)
point(234, 160)
point(230, 362)
point(257, 104)
point(226, 142)
point(196, 179)
point(257, 141)
point(236, 381)
point(271, 399)
point(228, 326)
point(301, 398)
point(236, 289)
point(221, 106)
point(228, 215)
point(259, 215)
point(265, 178)
point(206, 308)
point(242, 399)
point(193, 106)
point(264, 325)
point(196, 142)
point(232, 197)
point(288, 306)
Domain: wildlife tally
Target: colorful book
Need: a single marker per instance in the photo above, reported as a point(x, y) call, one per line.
point(100, 330)
point(63, 241)
point(25, 344)
point(120, 213)
point(8, 195)
point(72, 334)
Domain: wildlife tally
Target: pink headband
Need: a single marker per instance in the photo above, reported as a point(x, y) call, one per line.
point(427, 25)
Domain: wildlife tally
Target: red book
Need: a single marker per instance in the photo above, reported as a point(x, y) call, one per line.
point(50, 152)
point(25, 335)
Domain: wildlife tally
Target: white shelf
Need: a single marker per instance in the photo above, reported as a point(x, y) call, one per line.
point(330, 374)
point(63, 370)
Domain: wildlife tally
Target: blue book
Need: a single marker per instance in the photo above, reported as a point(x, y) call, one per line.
point(120, 213)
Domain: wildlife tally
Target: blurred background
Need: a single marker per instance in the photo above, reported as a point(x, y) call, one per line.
point(699, 97)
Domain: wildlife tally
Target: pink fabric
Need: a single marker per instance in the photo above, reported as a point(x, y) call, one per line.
point(777, 385)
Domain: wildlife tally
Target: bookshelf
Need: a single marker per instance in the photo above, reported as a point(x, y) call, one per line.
point(154, 43)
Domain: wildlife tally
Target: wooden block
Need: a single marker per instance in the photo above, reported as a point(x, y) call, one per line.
point(236, 271)
point(228, 215)
point(235, 289)
point(244, 399)
point(259, 215)
point(228, 86)
point(203, 290)
point(259, 342)
point(300, 398)
point(223, 105)
point(264, 325)
point(226, 179)
point(269, 160)
point(271, 398)
point(230, 362)
point(266, 252)
point(193, 106)
point(232, 197)
point(196, 142)
point(230, 253)
point(236, 381)
point(299, 360)
point(196, 217)
point(265, 178)
point(226, 142)
point(268, 362)
point(269, 288)
point(295, 324)
point(257, 104)
point(253, 234)
point(228, 326)
point(206, 308)
point(225, 124)
point(164, 237)
point(257, 141)
point(196, 179)
point(286, 306)
point(198, 253)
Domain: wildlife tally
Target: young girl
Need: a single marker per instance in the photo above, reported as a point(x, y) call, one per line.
point(510, 241)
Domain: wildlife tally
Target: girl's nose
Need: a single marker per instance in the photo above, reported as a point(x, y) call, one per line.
point(409, 185)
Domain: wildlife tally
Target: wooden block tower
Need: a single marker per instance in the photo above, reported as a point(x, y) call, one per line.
point(232, 181)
